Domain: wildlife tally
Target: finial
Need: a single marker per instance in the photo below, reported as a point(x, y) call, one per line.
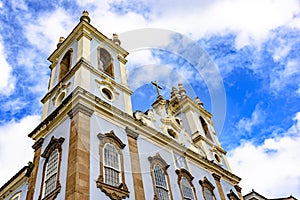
point(199, 102)
point(60, 41)
point(157, 87)
point(182, 91)
point(85, 16)
point(116, 39)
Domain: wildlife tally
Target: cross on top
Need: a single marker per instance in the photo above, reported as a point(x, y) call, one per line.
point(157, 87)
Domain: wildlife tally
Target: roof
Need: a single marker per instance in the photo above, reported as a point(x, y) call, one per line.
point(13, 178)
point(259, 196)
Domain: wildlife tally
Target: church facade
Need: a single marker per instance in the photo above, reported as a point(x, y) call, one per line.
point(91, 145)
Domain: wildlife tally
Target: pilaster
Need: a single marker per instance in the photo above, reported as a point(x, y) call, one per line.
point(36, 159)
point(78, 171)
point(219, 186)
point(135, 164)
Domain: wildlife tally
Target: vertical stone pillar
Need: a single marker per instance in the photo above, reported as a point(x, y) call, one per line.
point(78, 174)
point(239, 191)
point(84, 45)
point(220, 189)
point(32, 180)
point(135, 165)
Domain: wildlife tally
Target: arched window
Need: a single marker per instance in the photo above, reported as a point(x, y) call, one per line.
point(111, 180)
point(160, 178)
point(205, 128)
point(105, 61)
point(187, 190)
point(65, 64)
point(52, 154)
point(111, 165)
point(207, 189)
point(186, 186)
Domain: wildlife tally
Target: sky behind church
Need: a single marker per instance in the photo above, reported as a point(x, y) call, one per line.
point(254, 44)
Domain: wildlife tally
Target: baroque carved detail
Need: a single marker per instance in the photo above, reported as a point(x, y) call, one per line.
point(115, 193)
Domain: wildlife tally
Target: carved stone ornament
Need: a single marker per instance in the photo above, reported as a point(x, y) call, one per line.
point(108, 83)
point(114, 193)
point(63, 88)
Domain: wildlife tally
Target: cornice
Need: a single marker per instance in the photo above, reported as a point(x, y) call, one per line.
point(87, 30)
point(125, 120)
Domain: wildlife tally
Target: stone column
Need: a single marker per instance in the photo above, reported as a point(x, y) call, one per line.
point(220, 189)
point(78, 174)
point(32, 180)
point(135, 165)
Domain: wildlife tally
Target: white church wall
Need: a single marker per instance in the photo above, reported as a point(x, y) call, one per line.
point(117, 95)
point(53, 104)
point(100, 125)
point(21, 192)
point(62, 130)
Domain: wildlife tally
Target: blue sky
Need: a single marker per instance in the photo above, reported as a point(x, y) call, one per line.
point(254, 45)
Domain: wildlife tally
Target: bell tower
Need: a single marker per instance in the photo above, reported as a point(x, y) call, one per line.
point(89, 60)
point(87, 98)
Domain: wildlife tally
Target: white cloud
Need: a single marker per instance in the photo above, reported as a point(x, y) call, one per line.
point(15, 146)
point(271, 168)
point(44, 33)
point(7, 80)
point(18, 5)
point(251, 20)
point(285, 76)
point(247, 124)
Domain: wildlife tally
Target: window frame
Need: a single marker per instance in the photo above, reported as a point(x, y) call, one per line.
point(54, 144)
point(110, 72)
point(114, 192)
point(184, 173)
point(62, 74)
point(205, 183)
point(157, 160)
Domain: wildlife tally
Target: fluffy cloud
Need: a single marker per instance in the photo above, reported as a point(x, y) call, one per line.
point(250, 20)
point(15, 146)
point(247, 124)
point(7, 81)
point(47, 29)
point(288, 75)
point(271, 168)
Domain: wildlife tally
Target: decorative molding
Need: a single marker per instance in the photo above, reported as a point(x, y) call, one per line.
point(111, 136)
point(232, 196)
point(80, 108)
point(122, 59)
point(208, 185)
point(131, 133)
point(115, 193)
point(38, 144)
point(62, 88)
point(53, 144)
point(158, 160)
point(184, 173)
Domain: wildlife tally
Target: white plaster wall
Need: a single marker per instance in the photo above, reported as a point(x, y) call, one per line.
point(147, 149)
point(118, 100)
point(100, 125)
point(52, 107)
point(62, 130)
point(94, 59)
point(22, 190)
